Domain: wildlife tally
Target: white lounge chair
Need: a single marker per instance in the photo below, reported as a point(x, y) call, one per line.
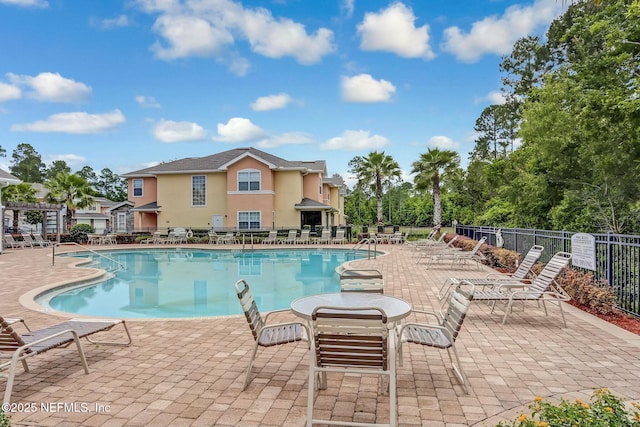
point(10, 242)
point(290, 239)
point(541, 289)
point(339, 236)
point(272, 238)
point(40, 240)
point(19, 347)
point(304, 237)
point(325, 237)
point(520, 276)
point(459, 258)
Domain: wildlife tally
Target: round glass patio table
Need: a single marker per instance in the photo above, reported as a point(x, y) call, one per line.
point(395, 308)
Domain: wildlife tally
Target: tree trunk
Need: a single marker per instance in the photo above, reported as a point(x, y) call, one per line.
point(437, 208)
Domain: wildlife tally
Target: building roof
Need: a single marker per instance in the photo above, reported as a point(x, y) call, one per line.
point(307, 204)
point(221, 161)
point(149, 207)
point(7, 179)
point(91, 215)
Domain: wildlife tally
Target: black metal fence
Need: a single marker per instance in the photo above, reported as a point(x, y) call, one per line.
point(617, 255)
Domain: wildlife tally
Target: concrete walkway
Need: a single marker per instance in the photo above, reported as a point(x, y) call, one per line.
point(190, 372)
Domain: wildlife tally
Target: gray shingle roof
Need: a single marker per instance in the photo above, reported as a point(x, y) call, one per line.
point(7, 178)
point(219, 161)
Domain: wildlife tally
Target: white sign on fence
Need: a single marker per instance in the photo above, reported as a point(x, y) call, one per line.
point(583, 251)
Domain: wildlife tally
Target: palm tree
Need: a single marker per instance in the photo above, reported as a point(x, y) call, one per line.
point(22, 192)
point(71, 190)
point(432, 166)
point(373, 172)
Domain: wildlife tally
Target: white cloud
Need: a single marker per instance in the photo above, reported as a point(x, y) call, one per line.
point(347, 7)
point(76, 123)
point(69, 159)
point(147, 101)
point(393, 30)
point(8, 92)
point(496, 98)
point(52, 87)
point(170, 131)
point(207, 28)
point(355, 140)
point(107, 24)
point(189, 36)
point(497, 35)
point(238, 129)
point(288, 138)
point(26, 3)
point(271, 102)
point(442, 142)
point(364, 88)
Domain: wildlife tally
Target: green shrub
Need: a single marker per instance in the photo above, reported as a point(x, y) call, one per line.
point(79, 232)
point(605, 410)
point(584, 289)
point(4, 419)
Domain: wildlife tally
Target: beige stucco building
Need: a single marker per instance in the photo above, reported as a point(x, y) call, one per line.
point(238, 189)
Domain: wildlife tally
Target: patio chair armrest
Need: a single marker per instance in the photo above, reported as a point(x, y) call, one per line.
point(507, 286)
point(557, 295)
point(428, 313)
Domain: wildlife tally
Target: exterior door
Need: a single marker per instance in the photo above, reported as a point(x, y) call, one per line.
point(121, 222)
point(217, 221)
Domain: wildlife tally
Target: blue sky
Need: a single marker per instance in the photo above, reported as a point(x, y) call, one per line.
point(125, 84)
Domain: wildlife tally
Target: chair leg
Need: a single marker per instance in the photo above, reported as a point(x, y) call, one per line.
point(507, 310)
point(313, 376)
point(457, 368)
point(253, 356)
point(83, 359)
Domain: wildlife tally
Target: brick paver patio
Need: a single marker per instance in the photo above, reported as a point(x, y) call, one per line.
point(190, 372)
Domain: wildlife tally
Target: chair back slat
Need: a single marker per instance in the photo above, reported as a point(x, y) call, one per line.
point(350, 337)
point(458, 307)
point(527, 263)
point(249, 307)
point(551, 270)
point(10, 340)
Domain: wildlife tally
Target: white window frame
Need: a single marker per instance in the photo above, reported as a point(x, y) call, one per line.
point(193, 191)
point(133, 183)
point(249, 172)
point(249, 220)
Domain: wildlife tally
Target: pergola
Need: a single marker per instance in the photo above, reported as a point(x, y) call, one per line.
point(41, 207)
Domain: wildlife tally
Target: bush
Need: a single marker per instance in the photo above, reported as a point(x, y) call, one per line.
point(4, 419)
point(605, 410)
point(585, 290)
point(79, 232)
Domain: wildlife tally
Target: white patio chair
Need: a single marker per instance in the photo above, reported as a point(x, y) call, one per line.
point(290, 239)
point(304, 237)
point(351, 340)
point(459, 258)
point(272, 238)
point(339, 236)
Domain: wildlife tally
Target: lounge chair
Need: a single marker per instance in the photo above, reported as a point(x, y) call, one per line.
point(19, 347)
point(339, 237)
point(541, 289)
point(426, 251)
point(28, 241)
point(398, 238)
point(353, 340)
point(325, 237)
point(40, 240)
point(10, 242)
point(495, 279)
point(213, 238)
point(362, 281)
point(290, 239)
point(429, 241)
point(264, 334)
point(272, 238)
point(443, 333)
point(304, 237)
point(459, 258)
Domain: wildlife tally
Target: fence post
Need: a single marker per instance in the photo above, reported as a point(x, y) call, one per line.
point(609, 259)
point(564, 241)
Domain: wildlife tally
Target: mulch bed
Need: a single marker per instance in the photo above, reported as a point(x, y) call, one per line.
point(622, 320)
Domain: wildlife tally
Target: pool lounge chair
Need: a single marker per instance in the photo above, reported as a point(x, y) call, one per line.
point(19, 347)
point(339, 237)
point(459, 258)
point(272, 238)
point(325, 237)
point(304, 237)
point(10, 242)
point(542, 289)
point(40, 240)
point(290, 239)
point(494, 279)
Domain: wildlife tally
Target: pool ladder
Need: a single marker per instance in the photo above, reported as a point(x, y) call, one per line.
point(119, 265)
point(367, 241)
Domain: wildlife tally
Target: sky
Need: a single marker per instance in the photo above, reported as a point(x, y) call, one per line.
point(126, 84)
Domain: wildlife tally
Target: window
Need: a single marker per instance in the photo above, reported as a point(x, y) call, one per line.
point(248, 220)
point(249, 181)
point(198, 190)
point(137, 188)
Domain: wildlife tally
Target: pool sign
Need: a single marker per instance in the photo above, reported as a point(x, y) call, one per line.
point(583, 251)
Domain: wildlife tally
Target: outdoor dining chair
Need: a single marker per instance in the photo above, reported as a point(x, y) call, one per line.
point(351, 340)
point(264, 334)
point(442, 333)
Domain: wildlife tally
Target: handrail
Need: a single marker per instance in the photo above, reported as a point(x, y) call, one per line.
point(367, 241)
point(53, 259)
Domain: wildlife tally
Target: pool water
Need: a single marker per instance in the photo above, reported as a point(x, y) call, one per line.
point(183, 283)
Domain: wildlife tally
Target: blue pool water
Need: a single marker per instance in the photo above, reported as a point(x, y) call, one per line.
point(182, 283)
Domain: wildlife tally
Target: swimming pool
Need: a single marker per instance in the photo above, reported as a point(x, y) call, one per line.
point(185, 283)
